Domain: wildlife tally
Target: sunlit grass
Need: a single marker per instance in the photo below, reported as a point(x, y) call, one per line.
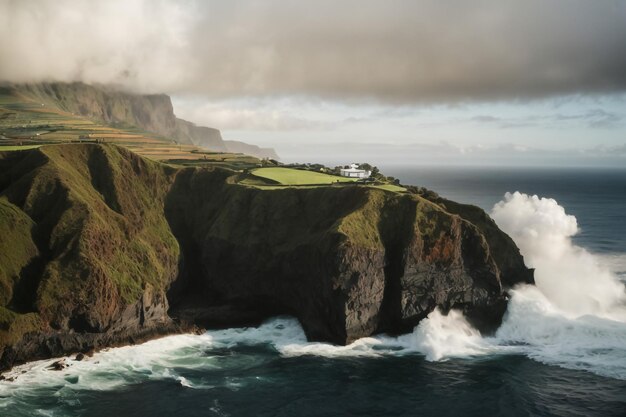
point(17, 147)
point(290, 176)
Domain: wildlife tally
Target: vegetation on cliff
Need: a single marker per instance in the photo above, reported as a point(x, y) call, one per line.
point(87, 237)
point(99, 243)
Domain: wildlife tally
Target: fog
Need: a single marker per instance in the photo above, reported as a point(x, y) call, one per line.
point(400, 81)
point(397, 51)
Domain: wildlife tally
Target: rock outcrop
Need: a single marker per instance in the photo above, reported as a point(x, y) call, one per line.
point(110, 248)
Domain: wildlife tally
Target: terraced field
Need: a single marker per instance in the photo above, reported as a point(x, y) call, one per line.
point(25, 123)
point(17, 147)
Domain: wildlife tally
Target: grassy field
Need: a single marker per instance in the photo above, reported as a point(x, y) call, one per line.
point(273, 178)
point(17, 147)
point(390, 187)
point(290, 176)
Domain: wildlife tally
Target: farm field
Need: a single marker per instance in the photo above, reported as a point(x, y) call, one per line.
point(17, 148)
point(390, 187)
point(25, 124)
point(290, 176)
point(273, 178)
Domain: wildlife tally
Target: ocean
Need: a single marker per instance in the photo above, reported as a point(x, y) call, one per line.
point(561, 350)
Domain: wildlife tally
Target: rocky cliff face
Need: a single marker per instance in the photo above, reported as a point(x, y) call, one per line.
point(206, 137)
point(347, 261)
point(153, 113)
point(91, 253)
point(104, 243)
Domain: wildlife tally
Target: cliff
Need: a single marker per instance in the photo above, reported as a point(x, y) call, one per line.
point(101, 247)
point(90, 252)
point(153, 113)
point(206, 137)
point(245, 148)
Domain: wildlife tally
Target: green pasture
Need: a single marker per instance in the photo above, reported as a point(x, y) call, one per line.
point(272, 178)
point(17, 147)
point(290, 176)
point(390, 187)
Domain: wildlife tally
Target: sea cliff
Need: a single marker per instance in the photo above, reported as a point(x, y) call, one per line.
point(100, 247)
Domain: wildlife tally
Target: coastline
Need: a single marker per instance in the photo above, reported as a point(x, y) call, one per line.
point(56, 345)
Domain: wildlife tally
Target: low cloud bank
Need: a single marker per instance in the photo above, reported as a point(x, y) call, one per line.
point(399, 51)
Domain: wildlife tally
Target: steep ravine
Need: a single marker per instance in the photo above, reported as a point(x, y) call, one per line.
point(102, 247)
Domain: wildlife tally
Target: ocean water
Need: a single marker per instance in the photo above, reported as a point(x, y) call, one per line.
point(561, 350)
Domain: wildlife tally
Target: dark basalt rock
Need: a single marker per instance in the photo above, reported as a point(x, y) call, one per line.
point(111, 249)
point(58, 365)
point(347, 262)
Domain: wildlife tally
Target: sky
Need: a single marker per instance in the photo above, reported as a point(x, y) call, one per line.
point(532, 82)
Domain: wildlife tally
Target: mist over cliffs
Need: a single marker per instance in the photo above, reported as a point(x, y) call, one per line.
point(151, 112)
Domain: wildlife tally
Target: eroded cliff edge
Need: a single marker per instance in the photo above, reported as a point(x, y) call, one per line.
point(101, 247)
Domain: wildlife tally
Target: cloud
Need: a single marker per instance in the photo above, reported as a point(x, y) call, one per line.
point(447, 153)
point(398, 51)
point(599, 118)
point(138, 44)
point(486, 119)
point(604, 151)
point(593, 118)
point(246, 115)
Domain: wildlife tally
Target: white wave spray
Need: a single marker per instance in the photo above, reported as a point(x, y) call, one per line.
point(571, 278)
point(575, 316)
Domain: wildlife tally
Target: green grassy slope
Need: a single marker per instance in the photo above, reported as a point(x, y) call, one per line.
point(17, 248)
point(91, 218)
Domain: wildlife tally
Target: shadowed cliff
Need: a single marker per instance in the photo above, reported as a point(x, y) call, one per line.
point(98, 244)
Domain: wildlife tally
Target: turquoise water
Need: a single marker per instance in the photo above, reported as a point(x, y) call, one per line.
point(550, 358)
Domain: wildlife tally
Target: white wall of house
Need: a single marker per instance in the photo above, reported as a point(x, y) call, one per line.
point(355, 172)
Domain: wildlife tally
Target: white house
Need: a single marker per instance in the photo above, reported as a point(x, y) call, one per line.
point(355, 172)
